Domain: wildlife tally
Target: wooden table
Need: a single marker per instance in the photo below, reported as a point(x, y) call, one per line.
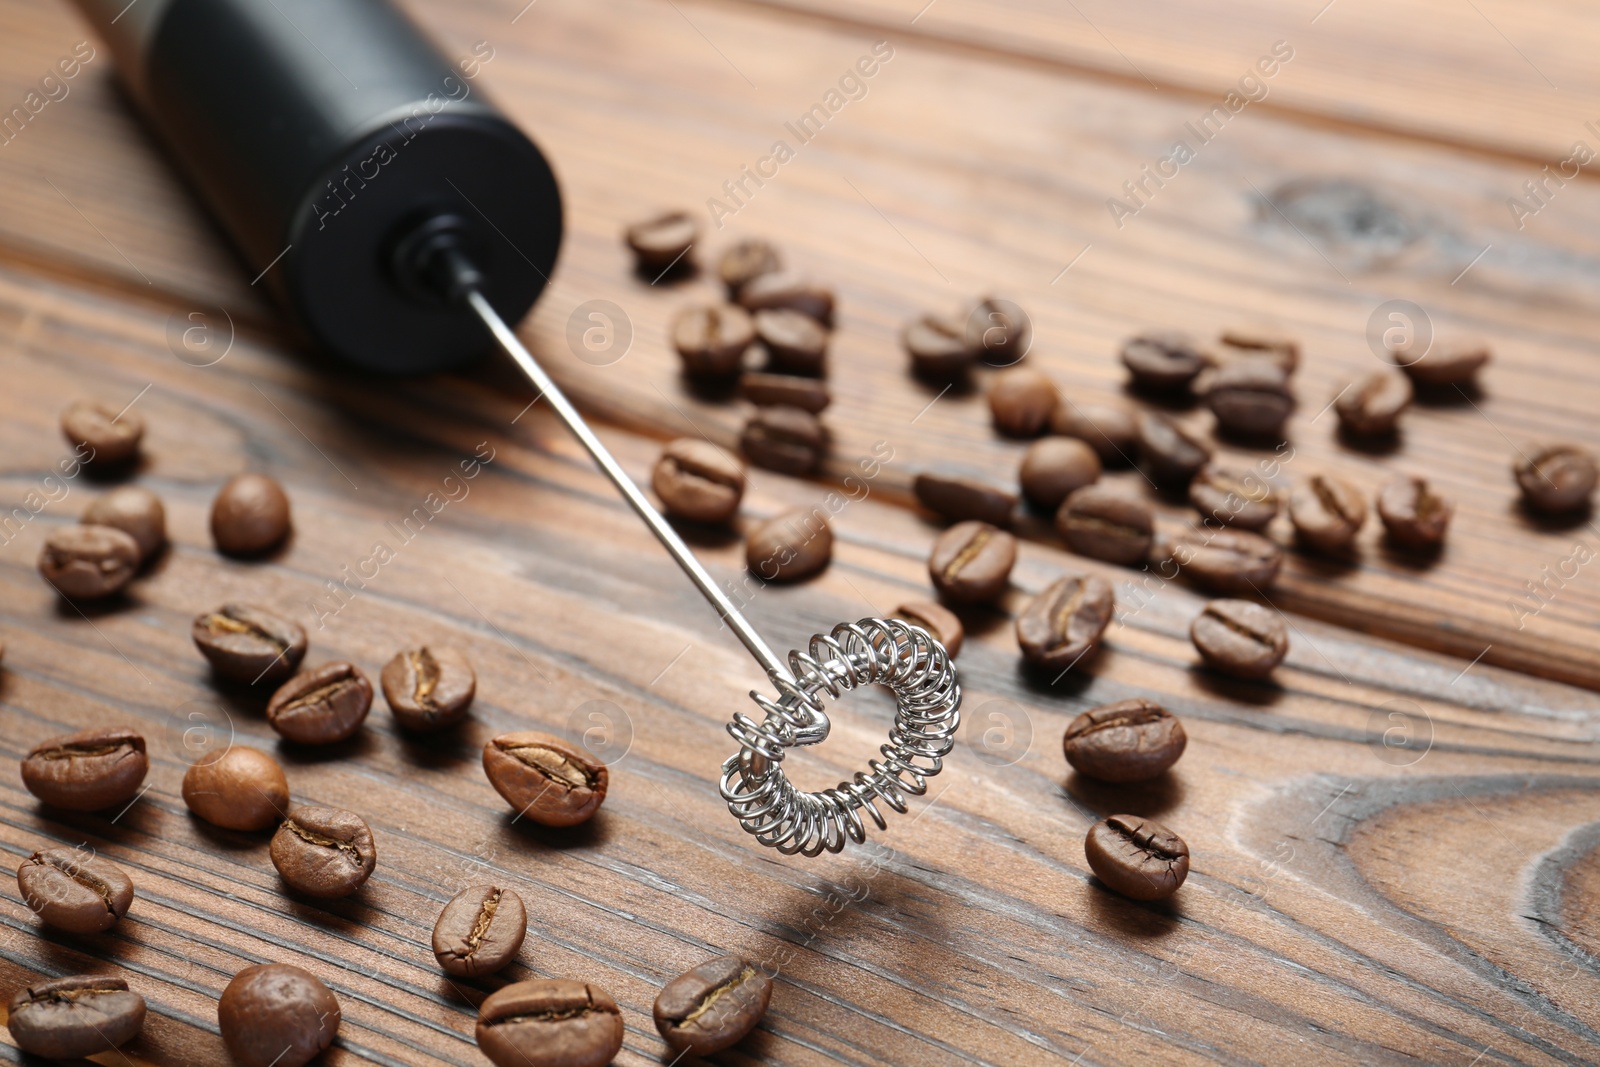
point(1352, 900)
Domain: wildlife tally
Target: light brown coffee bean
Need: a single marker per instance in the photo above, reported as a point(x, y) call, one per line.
point(88, 562)
point(70, 1018)
point(1137, 857)
point(1164, 360)
point(957, 496)
point(1372, 406)
point(1327, 512)
point(999, 331)
point(791, 545)
point(712, 1006)
point(1447, 362)
point(429, 687)
point(1250, 398)
point(1102, 523)
point(745, 261)
point(1240, 637)
point(238, 789)
point(795, 342)
point(662, 241)
point(90, 770)
point(479, 931)
point(137, 512)
point(549, 1022)
point(545, 779)
point(786, 440)
point(698, 481)
point(1065, 622)
point(1021, 400)
point(1264, 340)
point(1111, 431)
point(1129, 741)
point(784, 390)
point(1415, 515)
point(277, 1015)
point(74, 890)
point(321, 706)
point(250, 515)
point(1171, 454)
point(712, 339)
point(1556, 478)
point(103, 434)
point(787, 289)
point(971, 562)
point(324, 852)
point(938, 347)
point(1229, 561)
point(244, 643)
point(938, 620)
point(1054, 468)
point(1233, 498)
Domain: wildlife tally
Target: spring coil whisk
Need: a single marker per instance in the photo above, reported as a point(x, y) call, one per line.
point(887, 652)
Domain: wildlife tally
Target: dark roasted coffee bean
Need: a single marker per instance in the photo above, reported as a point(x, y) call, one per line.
point(958, 497)
point(277, 1015)
point(1372, 406)
point(1264, 341)
point(1327, 512)
point(321, 706)
point(479, 931)
point(101, 433)
point(1170, 453)
point(786, 289)
point(87, 771)
point(248, 644)
point(713, 1006)
point(938, 346)
point(1556, 478)
point(74, 890)
point(937, 619)
point(137, 512)
point(1061, 624)
point(1055, 467)
point(549, 1022)
point(1250, 398)
point(746, 261)
point(88, 562)
point(428, 688)
point(999, 331)
point(238, 789)
point(1112, 432)
point(250, 515)
point(1240, 637)
point(1233, 498)
point(1101, 523)
point(1414, 514)
point(784, 390)
point(791, 545)
point(69, 1018)
point(698, 481)
point(1227, 561)
point(545, 779)
point(971, 562)
point(1129, 741)
point(662, 242)
point(1021, 400)
point(1164, 360)
point(712, 340)
point(795, 343)
point(1136, 857)
point(787, 440)
point(324, 852)
point(1446, 362)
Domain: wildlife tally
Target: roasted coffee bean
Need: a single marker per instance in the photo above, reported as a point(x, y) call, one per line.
point(479, 931)
point(786, 289)
point(1413, 513)
point(1233, 498)
point(1240, 637)
point(137, 512)
point(321, 706)
point(69, 1018)
point(787, 440)
point(1055, 467)
point(795, 343)
point(1129, 741)
point(712, 340)
point(713, 1006)
point(324, 852)
point(238, 789)
point(1102, 523)
point(110, 437)
point(1250, 398)
point(87, 771)
point(937, 619)
point(1372, 406)
point(1446, 362)
point(1021, 400)
point(938, 347)
point(1136, 857)
point(791, 545)
point(698, 481)
point(428, 688)
point(971, 562)
point(662, 242)
point(88, 562)
point(1556, 478)
point(277, 1015)
point(1171, 454)
point(549, 1022)
point(958, 497)
point(1228, 561)
point(1065, 621)
point(545, 779)
point(250, 515)
point(784, 390)
point(746, 261)
point(1327, 512)
point(999, 331)
point(248, 644)
point(1164, 360)
point(74, 890)
point(1112, 432)
point(1264, 341)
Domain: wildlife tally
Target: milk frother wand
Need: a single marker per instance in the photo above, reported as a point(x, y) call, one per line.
point(395, 215)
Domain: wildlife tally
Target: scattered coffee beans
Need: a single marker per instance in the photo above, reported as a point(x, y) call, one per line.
point(1138, 858)
point(69, 1018)
point(87, 771)
point(1264, 341)
point(1228, 561)
point(971, 562)
point(1240, 637)
point(698, 481)
point(787, 440)
point(1233, 498)
point(549, 1022)
point(938, 620)
point(786, 289)
point(938, 347)
point(1327, 512)
point(713, 1006)
point(1163, 360)
point(1022, 400)
point(795, 343)
point(238, 789)
point(250, 515)
point(1372, 406)
point(248, 644)
point(662, 242)
point(88, 562)
point(1171, 454)
point(1102, 523)
point(1415, 515)
point(112, 438)
point(999, 331)
point(789, 546)
point(712, 340)
point(1445, 363)
point(1110, 431)
point(1063, 623)
point(74, 890)
point(784, 390)
point(137, 512)
point(1129, 741)
point(277, 1015)
point(324, 852)
point(958, 497)
point(321, 706)
point(1556, 478)
point(745, 261)
point(545, 779)
point(1250, 398)
point(479, 931)
point(428, 688)
point(1055, 467)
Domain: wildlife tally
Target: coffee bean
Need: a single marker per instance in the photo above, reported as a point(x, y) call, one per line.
point(1138, 858)
point(88, 562)
point(87, 771)
point(1164, 360)
point(698, 481)
point(787, 440)
point(1129, 741)
point(1250, 398)
point(662, 242)
point(250, 515)
point(791, 545)
point(277, 1015)
point(549, 1022)
point(1240, 637)
point(786, 289)
point(1112, 432)
point(999, 331)
point(784, 390)
point(938, 347)
point(1447, 361)
point(1021, 400)
point(137, 512)
point(74, 890)
point(1055, 467)
point(70, 1018)
point(1171, 454)
point(428, 688)
point(545, 779)
point(745, 261)
point(1102, 523)
point(938, 620)
point(237, 789)
point(324, 852)
point(711, 340)
point(958, 497)
point(1327, 512)
point(1061, 624)
point(1413, 513)
point(321, 706)
point(795, 343)
point(1228, 561)
point(712, 1006)
point(1233, 498)
point(1556, 478)
point(479, 931)
point(111, 436)
point(1372, 406)
point(244, 643)
point(971, 562)
point(1264, 341)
